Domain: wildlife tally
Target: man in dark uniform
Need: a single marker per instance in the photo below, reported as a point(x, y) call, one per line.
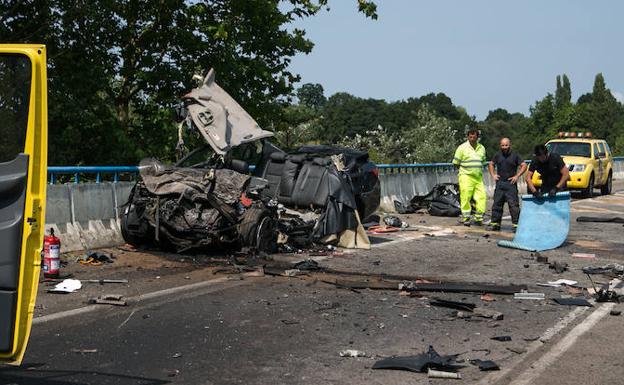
point(506, 168)
point(553, 171)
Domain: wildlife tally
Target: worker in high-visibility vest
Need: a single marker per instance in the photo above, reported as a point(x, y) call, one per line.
point(470, 159)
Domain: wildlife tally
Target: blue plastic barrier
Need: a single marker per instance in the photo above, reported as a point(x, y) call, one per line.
point(544, 223)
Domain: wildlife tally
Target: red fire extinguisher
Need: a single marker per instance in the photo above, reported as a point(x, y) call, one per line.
point(51, 255)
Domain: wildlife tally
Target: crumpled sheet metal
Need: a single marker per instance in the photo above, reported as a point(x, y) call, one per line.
point(222, 122)
point(544, 223)
point(162, 180)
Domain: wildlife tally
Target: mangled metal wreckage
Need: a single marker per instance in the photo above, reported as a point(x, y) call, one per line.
point(318, 194)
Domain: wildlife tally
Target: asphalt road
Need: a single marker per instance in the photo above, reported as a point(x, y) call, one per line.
point(197, 327)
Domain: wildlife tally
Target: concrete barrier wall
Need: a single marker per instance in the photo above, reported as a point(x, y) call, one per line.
point(402, 184)
point(86, 215)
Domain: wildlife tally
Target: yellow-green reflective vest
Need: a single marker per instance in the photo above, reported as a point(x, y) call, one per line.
point(470, 160)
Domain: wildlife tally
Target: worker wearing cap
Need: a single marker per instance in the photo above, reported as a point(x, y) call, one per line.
point(506, 168)
point(470, 159)
point(552, 169)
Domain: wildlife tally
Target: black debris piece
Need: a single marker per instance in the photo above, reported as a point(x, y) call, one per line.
point(307, 265)
point(573, 302)
point(485, 365)
point(601, 219)
point(615, 312)
point(420, 363)
point(462, 287)
point(392, 220)
point(610, 269)
point(559, 267)
point(502, 338)
point(442, 201)
point(452, 304)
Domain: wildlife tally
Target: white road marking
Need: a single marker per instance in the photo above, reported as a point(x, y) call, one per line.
point(530, 375)
point(136, 299)
point(547, 336)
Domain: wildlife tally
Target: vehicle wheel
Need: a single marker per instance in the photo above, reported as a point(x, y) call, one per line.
point(607, 187)
point(135, 230)
point(589, 191)
point(257, 229)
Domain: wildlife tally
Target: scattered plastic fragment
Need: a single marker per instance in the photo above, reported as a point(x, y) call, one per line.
point(432, 373)
point(583, 255)
point(559, 283)
point(419, 363)
point(67, 286)
point(502, 338)
point(352, 353)
point(527, 295)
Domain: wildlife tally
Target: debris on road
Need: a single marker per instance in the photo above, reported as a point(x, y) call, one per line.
point(459, 287)
point(96, 259)
point(614, 269)
point(615, 312)
point(559, 283)
point(84, 351)
point(527, 295)
point(487, 298)
point(66, 286)
point(559, 267)
point(573, 302)
point(452, 304)
point(584, 255)
point(501, 338)
point(601, 219)
point(441, 201)
point(487, 313)
point(352, 353)
point(485, 365)
point(108, 299)
point(419, 363)
point(432, 373)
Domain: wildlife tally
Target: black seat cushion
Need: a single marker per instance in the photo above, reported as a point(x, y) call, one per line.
point(309, 182)
point(273, 172)
point(290, 171)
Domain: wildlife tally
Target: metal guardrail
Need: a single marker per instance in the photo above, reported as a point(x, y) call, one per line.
point(414, 167)
point(98, 171)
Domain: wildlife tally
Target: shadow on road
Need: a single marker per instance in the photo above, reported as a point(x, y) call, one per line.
point(30, 375)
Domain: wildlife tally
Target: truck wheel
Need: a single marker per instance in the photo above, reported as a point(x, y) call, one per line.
point(589, 191)
point(607, 187)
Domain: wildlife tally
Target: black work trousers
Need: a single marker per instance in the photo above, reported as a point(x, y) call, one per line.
point(505, 192)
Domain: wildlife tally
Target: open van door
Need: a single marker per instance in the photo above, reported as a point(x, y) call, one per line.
point(23, 173)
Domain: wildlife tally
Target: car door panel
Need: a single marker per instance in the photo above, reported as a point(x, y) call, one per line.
point(23, 172)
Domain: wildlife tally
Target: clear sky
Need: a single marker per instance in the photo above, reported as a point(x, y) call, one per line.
point(483, 54)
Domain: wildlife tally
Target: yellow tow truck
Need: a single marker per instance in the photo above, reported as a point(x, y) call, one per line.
point(589, 160)
point(23, 173)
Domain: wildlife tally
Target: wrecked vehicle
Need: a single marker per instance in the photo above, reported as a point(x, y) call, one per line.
point(317, 194)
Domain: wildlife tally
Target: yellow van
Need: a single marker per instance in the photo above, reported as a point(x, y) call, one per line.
point(23, 173)
point(589, 160)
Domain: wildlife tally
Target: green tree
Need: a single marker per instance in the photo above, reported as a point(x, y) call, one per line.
point(311, 95)
point(117, 69)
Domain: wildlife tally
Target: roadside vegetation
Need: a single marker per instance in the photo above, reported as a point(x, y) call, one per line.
point(118, 68)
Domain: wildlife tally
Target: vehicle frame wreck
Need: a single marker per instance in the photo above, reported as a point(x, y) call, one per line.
point(317, 194)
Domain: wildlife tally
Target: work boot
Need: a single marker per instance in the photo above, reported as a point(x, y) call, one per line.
point(477, 222)
point(494, 226)
point(464, 221)
point(515, 227)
